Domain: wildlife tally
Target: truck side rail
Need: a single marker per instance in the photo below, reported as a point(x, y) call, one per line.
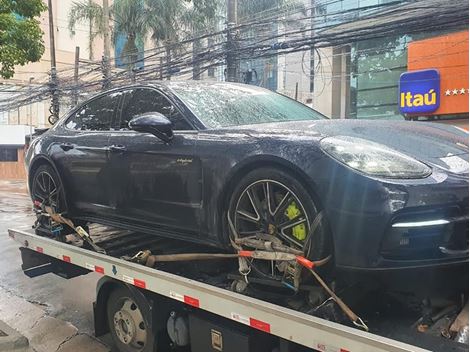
point(288, 324)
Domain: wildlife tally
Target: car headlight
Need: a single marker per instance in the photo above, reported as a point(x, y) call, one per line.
point(373, 159)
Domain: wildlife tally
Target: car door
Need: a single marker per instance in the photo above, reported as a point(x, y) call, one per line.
point(82, 154)
point(156, 183)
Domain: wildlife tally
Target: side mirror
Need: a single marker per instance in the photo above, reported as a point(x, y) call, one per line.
point(154, 123)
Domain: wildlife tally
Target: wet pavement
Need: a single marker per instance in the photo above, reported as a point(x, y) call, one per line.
point(60, 299)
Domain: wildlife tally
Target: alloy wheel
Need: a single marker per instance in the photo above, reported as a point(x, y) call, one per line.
point(270, 207)
point(46, 191)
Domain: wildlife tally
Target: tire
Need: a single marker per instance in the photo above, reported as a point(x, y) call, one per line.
point(127, 326)
point(300, 207)
point(44, 227)
point(47, 189)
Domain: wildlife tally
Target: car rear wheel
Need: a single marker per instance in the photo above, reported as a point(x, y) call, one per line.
point(272, 202)
point(47, 190)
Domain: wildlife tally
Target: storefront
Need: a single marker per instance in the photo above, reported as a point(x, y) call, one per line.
point(378, 66)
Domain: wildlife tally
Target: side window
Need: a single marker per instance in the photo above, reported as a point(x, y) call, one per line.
point(97, 115)
point(141, 100)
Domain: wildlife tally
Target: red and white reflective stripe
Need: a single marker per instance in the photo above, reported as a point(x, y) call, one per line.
point(96, 268)
point(185, 299)
point(66, 258)
point(254, 323)
point(134, 281)
point(39, 249)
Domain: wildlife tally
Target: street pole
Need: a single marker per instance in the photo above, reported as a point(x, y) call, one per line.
point(90, 31)
point(232, 47)
point(312, 46)
point(54, 109)
point(30, 111)
point(107, 45)
point(75, 76)
point(168, 60)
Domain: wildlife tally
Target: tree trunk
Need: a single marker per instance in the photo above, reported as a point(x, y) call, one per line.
point(196, 65)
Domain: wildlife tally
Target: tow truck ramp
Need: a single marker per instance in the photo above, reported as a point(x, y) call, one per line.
point(303, 329)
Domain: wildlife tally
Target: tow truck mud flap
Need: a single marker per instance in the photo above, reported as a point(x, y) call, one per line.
point(37, 264)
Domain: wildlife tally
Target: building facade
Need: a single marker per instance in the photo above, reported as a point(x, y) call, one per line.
point(360, 80)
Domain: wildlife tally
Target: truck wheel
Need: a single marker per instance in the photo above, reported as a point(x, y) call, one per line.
point(128, 328)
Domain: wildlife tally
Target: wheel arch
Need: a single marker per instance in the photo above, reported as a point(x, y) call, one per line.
point(104, 287)
point(257, 162)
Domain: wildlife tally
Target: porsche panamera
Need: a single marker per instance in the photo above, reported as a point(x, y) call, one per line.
point(178, 159)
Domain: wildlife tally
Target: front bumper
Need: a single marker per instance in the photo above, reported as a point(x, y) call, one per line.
point(379, 225)
point(437, 233)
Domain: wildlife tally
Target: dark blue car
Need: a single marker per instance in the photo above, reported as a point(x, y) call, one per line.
point(179, 159)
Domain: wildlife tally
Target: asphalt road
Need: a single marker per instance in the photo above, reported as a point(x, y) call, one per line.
point(68, 300)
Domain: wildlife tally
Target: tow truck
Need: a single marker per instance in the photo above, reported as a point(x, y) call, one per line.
point(185, 307)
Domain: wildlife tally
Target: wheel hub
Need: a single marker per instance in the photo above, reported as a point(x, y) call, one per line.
point(271, 229)
point(124, 326)
point(129, 325)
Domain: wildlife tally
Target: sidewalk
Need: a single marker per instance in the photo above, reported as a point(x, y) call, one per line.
point(12, 341)
point(14, 186)
point(44, 333)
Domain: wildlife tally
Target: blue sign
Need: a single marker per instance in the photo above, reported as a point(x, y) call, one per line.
point(419, 92)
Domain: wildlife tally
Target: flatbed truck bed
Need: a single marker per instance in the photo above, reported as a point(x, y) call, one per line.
point(248, 317)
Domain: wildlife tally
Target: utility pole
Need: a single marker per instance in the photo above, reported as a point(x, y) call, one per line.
point(168, 60)
point(75, 76)
point(312, 46)
point(31, 110)
point(107, 55)
point(232, 46)
point(90, 31)
point(54, 109)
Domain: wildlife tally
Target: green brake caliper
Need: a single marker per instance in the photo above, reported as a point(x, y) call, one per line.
point(298, 231)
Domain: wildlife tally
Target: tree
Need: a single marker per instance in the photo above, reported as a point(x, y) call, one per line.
point(201, 16)
point(128, 16)
point(20, 34)
point(166, 25)
point(91, 12)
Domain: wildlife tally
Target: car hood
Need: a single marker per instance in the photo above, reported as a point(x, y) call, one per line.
point(439, 144)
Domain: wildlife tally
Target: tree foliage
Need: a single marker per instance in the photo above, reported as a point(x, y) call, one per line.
point(20, 34)
point(165, 20)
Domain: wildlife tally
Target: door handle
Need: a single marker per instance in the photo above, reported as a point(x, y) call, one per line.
point(117, 148)
point(66, 146)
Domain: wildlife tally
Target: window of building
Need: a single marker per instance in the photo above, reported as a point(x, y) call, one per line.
point(8, 154)
point(97, 115)
point(143, 100)
point(376, 66)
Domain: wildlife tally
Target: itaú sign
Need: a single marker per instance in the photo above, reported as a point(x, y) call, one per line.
point(419, 92)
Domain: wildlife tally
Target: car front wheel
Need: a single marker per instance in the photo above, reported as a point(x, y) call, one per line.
point(271, 202)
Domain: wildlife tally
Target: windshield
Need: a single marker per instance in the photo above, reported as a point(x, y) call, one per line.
point(222, 105)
